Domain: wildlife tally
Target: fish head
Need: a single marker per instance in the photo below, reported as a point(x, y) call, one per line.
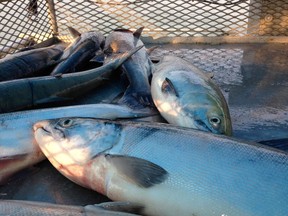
point(74, 141)
point(122, 40)
point(208, 114)
point(118, 41)
point(190, 100)
point(96, 38)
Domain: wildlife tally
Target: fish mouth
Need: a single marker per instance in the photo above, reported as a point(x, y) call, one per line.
point(46, 129)
point(41, 126)
point(202, 126)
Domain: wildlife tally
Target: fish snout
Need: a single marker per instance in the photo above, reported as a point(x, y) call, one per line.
point(49, 128)
point(40, 124)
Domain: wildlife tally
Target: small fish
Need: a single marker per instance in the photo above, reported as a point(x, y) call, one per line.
point(33, 208)
point(138, 68)
point(187, 97)
point(24, 93)
point(30, 63)
point(80, 51)
point(169, 170)
point(18, 149)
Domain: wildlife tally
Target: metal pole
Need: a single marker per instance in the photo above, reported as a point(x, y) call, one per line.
point(254, 18)
point(52, 15)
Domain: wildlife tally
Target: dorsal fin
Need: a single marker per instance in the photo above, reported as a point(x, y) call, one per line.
point(138, 32)
point(168, 87)
point(74, 32)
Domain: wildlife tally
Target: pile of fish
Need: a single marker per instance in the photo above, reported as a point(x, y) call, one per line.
point(185, 163)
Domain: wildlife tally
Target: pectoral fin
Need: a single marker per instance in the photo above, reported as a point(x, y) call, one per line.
point(142, 172)
point(168, 87)
point(136, 100)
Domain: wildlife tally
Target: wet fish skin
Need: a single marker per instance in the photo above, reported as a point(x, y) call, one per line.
point(80, 51)
point(138, 68)
point(30, 63)
point(187, 97)
point(18, 149)
point(24, 93)
point(33, 208)
point(169, 170)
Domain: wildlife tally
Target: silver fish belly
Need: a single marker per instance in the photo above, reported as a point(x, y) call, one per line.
point(187, 97)
point(167, 169)
point(18, 149)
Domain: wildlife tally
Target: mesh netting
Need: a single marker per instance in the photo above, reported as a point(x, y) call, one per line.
point(23, 23)
point(223, 63)
point(177, 18)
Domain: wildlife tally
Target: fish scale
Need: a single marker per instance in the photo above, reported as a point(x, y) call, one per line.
point(206, 166)
point(207, 174)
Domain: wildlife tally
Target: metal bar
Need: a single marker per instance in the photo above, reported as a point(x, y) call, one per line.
point(52, 15)
point(254, 17)
point(216, 40)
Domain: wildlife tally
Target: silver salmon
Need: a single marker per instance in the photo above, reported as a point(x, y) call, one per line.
point(187, 97)
point(24, 93)
point(138, 68)
point(168, 170)
point(80, 51)
point(30, 63)
point(18, 149)
point(33, 208)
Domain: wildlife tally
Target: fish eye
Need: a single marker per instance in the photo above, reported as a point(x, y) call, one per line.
point(215, 121)
point(66, 123)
